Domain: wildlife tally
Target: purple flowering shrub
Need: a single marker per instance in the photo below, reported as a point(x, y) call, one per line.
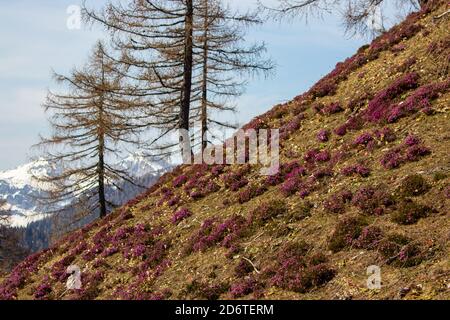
point(409, 212)
point(320, 173)
point(267, 211)
point(292, 126)
point(373, 200)
point(398, 48)
point(400, 251)
point(376, 138)
point(244, 287)
point(410, 150)
point(179, 181)
point(217, 170)
point(323, 88)
point(290, 186)
point(17, 278)
point(315, 155)
point(180, 215)
point(213, 232)
point(243, 268)
point(369, 238)
point(296, 270)
point(419, 100)
point(250, 192)
point(358, 169)
point(43, 290)
point(323, 135)
point(287, 170)
point(346, 232)
point(353, 123)
point(380, 106)
point(235, 180)
point(58, 269)
point(363, 139)
point(166, 194)
point(332, 108)
point(174, 201)
point(336, 203)
point(385, 134)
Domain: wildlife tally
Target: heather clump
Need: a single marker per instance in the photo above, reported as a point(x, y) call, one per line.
point(323, 135)
point(356, 169)
point(43, 290)
point(235, 180)
point(243, 268)
point(409, 212)
point(205, 290)
point(180, 215)
point(251, 192)
point(268, 211)
point(346, 232)
point(296, 270)
point(373, 200)
point(413, 186)
point(401, 251)
point(179, 181)
point(410, 150)
point(419, 100)
point(337, 202)
point(245, 287)
point(213, 232)
point(379, 107)
point(369, 238)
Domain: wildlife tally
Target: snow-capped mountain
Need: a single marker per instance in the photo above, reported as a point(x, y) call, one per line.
point(20, 189)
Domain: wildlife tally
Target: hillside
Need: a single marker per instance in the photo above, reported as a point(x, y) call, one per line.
point(364, 181)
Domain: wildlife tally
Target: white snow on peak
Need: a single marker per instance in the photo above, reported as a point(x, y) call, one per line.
point(19, 187)
point(25, 174)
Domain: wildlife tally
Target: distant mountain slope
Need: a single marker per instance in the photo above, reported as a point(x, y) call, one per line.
point(21, 190)
point(364, 181)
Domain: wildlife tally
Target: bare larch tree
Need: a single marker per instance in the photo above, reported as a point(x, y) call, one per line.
point(154, 41)
point(186, 55)
point(223, 60)
point(96, 114)
point(356, 14)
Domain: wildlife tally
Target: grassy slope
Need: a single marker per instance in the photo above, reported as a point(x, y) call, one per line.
point(212, 266)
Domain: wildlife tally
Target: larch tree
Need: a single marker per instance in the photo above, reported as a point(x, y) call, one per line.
point(154, 42)
point(95, 116)
point(223, 60)
point(188, 56)
point(359, 16)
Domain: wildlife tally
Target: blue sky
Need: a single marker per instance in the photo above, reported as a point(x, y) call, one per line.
point(35, 40)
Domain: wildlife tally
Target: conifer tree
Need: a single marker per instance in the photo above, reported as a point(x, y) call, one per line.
point(95, 115)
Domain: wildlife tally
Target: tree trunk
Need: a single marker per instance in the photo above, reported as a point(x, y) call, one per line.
point(101, 156)
point(204, 114)
point(187, 78)
point(101, 177)
point(423, 3)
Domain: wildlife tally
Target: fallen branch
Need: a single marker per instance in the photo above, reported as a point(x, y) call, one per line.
point(441, 15)
point(254, 267)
